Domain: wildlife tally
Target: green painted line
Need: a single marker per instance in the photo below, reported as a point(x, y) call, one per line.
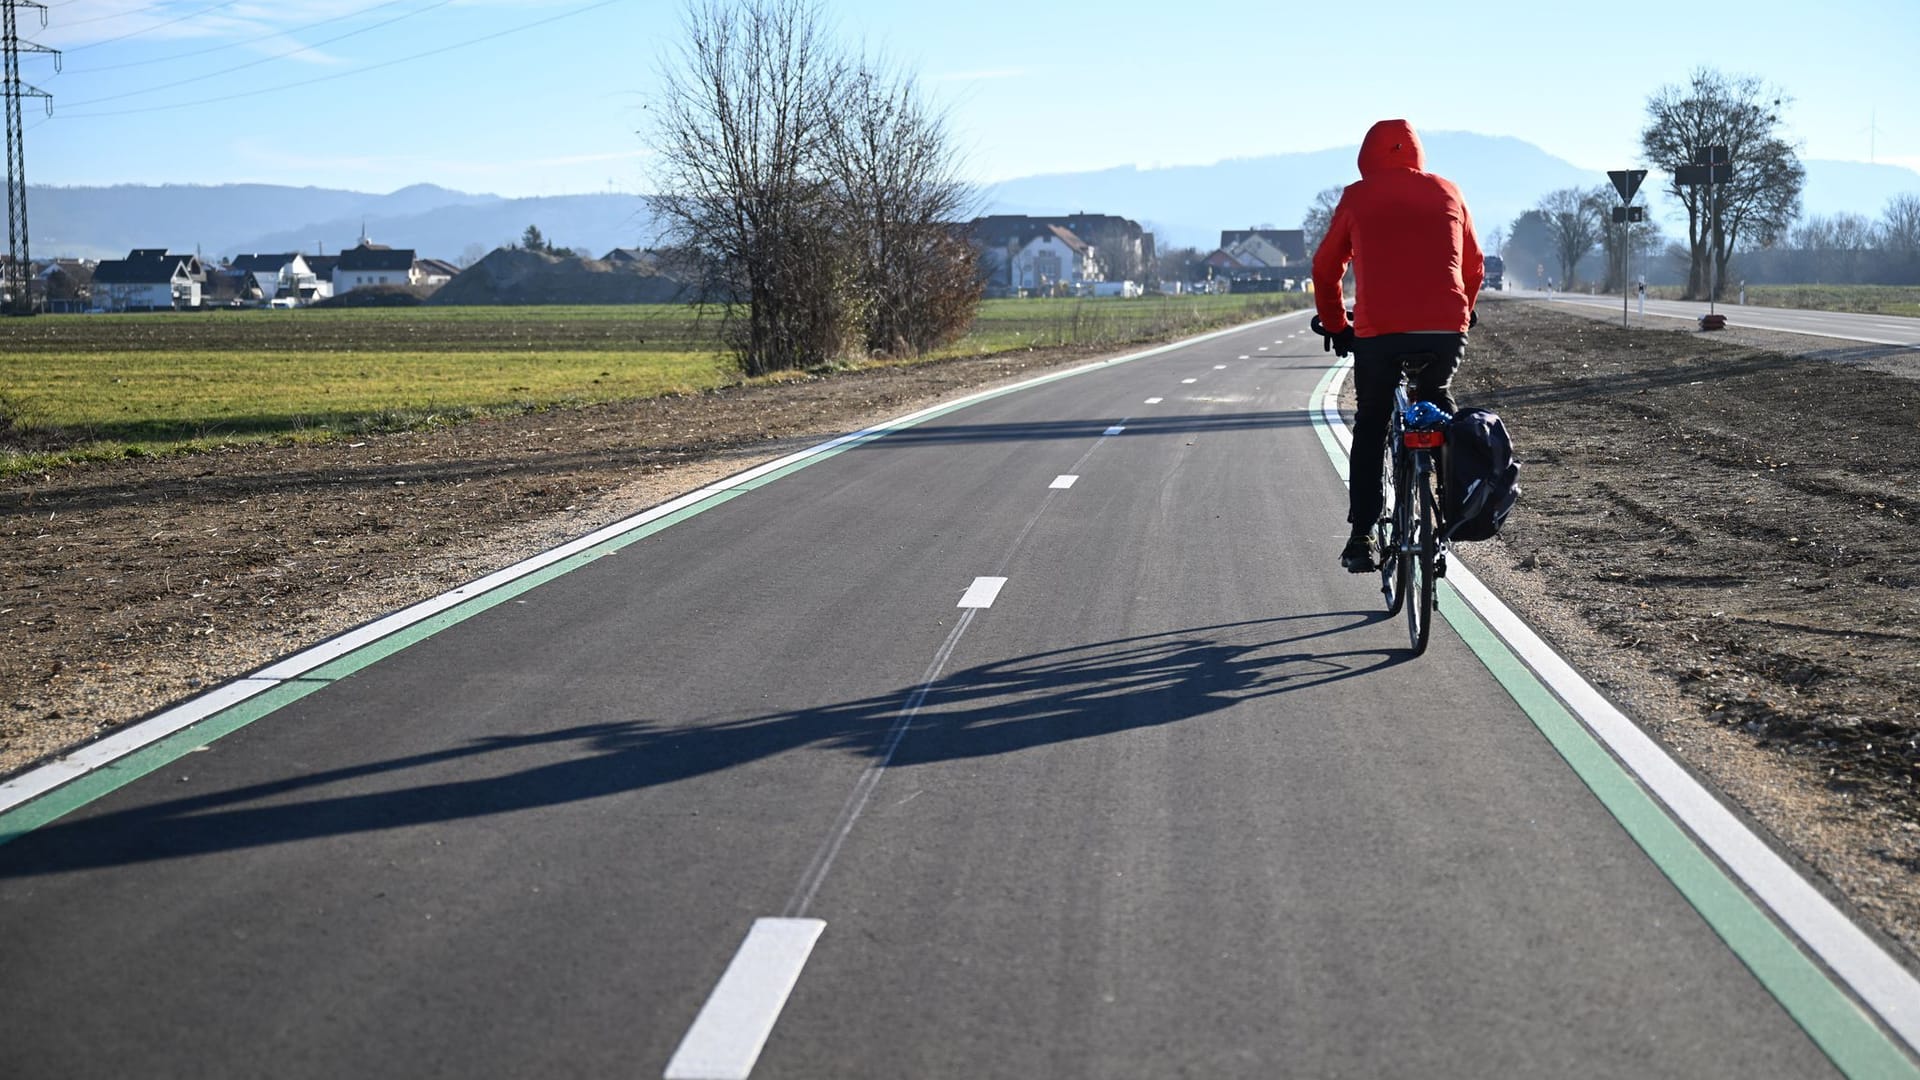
point(102, 781)
point(1842, 1030)
point(1849, 1037)
point(109, 778)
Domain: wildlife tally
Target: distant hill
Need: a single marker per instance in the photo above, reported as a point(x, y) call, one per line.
point(229, 219)
point(1500, 177)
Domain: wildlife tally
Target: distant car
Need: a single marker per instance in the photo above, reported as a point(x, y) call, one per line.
point(283, 302)
point(1496, 269)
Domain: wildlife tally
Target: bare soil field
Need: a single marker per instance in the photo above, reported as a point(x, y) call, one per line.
point(1718, 530)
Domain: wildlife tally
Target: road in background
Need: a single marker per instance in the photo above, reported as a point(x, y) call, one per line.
point(1875, 329)
point(1165, 800)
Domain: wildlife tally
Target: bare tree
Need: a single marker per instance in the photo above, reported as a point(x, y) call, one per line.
point(741, 127)
point(1762, 197)
point(901, 198)
point(1900, 225)
point(1573, 221)
point(1319, 216)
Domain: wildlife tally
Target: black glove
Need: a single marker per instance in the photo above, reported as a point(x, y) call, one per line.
point(1340, 344)
point(1473, 318)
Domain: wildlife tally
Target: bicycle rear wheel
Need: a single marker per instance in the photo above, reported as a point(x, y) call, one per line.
point(1423, 542)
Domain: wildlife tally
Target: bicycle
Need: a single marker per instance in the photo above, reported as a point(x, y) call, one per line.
point(1410, 534)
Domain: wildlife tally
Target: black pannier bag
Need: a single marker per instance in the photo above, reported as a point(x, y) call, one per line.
point(1481, 478)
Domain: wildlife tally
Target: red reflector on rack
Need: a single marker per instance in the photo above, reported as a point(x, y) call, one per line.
point(1424, 440)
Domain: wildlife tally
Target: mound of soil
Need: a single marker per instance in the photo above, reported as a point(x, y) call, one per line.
point(516, 276)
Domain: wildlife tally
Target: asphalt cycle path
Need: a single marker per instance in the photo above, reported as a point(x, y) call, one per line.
point(1041, 738)
point(1845, 326)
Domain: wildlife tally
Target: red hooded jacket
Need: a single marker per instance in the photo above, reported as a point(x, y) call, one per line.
point(1416, 263)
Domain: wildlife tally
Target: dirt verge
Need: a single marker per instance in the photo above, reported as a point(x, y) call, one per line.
point(1719, 531)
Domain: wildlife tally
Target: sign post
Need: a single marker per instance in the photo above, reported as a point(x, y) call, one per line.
point(1711, 165)
point(1626, 182)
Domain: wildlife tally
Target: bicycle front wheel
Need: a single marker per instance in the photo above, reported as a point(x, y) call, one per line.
point(1391, 527)
point(1422, 545)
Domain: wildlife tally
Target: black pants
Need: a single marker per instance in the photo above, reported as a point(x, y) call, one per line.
point(1376, 371)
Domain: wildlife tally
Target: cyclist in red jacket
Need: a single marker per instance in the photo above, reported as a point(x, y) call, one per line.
point(1417, 271)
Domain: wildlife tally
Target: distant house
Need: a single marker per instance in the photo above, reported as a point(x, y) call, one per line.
point(149, 279)
point(1114, 242)
point(323, 267)
point(1053, 258)
point(1291, 243)
point(434, 271)
point(368, 264)
point(625, 258)
point(227, 287)
point(290, 274)
point(64, 286)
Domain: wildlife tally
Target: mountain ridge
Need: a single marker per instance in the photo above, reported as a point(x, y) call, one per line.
point(1500, 175)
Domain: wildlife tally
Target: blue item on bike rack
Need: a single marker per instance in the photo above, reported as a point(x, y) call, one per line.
point(1425, 415)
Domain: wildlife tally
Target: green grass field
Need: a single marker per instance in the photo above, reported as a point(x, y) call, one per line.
point(1860, 299)
point(91, 387)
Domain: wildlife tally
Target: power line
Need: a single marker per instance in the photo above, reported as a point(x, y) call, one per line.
point(262, 60)
point(144, 29)
point(342, 74)
point(174, 57)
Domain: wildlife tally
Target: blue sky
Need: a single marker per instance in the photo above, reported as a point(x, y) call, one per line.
point(547, 97)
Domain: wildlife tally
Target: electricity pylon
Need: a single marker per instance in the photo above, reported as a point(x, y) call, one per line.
point(19, 269)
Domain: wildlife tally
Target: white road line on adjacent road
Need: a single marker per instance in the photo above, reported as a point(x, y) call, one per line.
point(1188, 382)
point(1063, 481)
point(981, 593)
point(732, 1028)
point(1115, 429)
point(1155, 400)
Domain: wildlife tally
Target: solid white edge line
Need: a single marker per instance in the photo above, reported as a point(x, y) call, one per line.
point(1880, 981)
point(1731, 325)
point(731, 1029)
point(1064, 481)
point(42, 779)
point(982, 592)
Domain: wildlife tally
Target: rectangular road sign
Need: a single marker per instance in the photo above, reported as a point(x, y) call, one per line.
point(1711, 155)
point(1688, 175)
point(1624, 214)
point(1626, 182)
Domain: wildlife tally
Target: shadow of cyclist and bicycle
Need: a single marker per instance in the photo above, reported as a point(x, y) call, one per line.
point(1079, 693)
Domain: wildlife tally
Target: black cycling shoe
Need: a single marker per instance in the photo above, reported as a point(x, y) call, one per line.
point(1357, 556)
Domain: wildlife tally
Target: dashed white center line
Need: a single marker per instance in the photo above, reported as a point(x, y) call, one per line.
point(1115, 429)
point(1262, 348)
point(1063, 481)
point(982, 592)
point(1184, 382)
point(732, 1028)
point(1219, 367)
point(1155, 400)
point(1246, 358)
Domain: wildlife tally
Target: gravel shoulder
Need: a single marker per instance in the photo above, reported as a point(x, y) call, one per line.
point(1718, 530)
